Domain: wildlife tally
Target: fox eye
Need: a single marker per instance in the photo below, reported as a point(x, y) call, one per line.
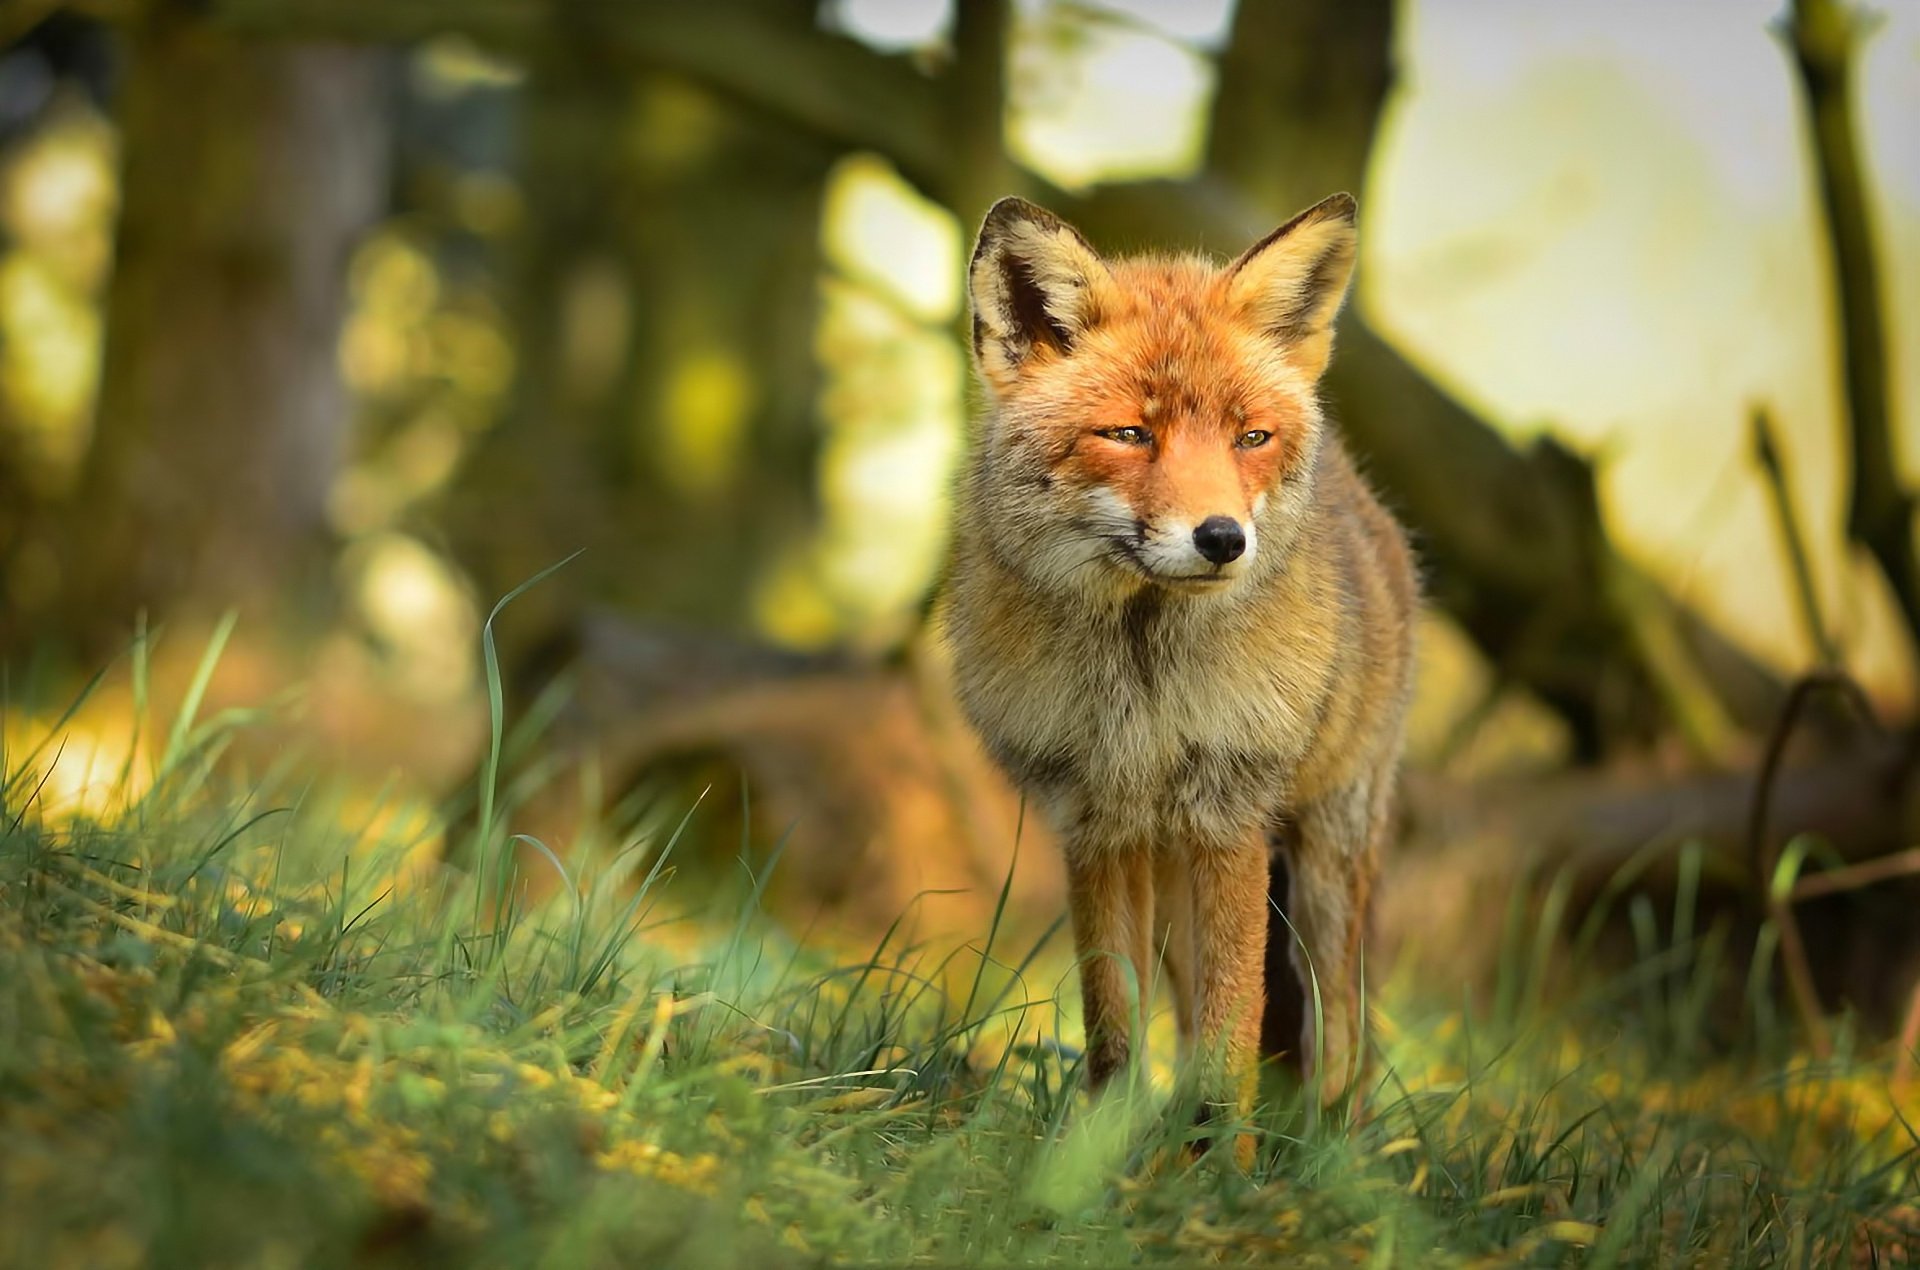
point(1254, 440)
point(1127, 436)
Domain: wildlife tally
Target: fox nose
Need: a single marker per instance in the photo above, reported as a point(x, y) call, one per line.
point(1220, 539)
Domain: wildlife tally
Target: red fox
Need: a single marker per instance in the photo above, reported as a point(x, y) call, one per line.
point(1182, 623)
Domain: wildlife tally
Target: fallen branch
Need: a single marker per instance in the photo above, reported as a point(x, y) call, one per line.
point(1763, 861)
point(1855, 876)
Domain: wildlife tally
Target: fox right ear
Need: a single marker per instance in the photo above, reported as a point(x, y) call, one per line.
point(1035, 287)
point(1290, 283)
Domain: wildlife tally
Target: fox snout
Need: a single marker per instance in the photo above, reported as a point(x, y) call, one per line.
point(1176, 551)
point(1220, 539)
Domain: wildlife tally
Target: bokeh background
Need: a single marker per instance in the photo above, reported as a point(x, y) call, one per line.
point(349, 316)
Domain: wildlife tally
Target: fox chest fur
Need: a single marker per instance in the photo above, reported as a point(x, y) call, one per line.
point(1125, 735)
point(1137, 718)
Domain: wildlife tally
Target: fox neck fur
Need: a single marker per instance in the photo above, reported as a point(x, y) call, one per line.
point(1136, 715)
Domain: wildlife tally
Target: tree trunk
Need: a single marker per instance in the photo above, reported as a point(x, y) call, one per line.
point(249, 170)
point(664, 298)
point(1299, 99)
point(1824, 36)
point(1513, 539)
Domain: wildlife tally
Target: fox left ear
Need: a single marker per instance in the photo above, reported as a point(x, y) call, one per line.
point(1291, 283)
point(1035, 286)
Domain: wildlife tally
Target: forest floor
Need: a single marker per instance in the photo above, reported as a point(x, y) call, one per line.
point(258, 1024)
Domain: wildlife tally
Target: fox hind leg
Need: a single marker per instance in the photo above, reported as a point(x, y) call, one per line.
point(1330, 894)
point(1284, 1023)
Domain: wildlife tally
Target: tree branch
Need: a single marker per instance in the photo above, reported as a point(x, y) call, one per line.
point(1766, 449)
point(1823, 35)
point(17, 24)
point(762, 54)
point(976, 107)
point(1303, 84)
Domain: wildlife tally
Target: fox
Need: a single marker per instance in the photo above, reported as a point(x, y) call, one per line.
point(1182, 624)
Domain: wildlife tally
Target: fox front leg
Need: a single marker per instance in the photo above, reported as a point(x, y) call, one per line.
point(1229, 923)
point(1110, 894)
point(1173, 939)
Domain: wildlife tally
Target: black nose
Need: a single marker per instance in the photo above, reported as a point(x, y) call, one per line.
point(1220, 539)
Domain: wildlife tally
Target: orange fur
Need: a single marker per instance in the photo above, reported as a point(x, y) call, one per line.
point(1167, 698)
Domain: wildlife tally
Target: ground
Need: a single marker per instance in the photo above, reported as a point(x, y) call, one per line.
point(256, 1022)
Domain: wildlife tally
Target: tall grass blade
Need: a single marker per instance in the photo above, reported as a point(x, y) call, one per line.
point(197, 691)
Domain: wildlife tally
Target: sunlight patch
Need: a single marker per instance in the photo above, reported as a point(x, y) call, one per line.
point(1102, 100)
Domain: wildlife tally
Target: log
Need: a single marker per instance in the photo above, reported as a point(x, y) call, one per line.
point(885, 794)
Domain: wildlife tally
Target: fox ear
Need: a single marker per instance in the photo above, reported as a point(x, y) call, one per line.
point(1291, 283)
point(1035, 287)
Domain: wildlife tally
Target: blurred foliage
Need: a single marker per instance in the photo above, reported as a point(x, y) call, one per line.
point(57, 202)
point(824, 516)
point(891, 406)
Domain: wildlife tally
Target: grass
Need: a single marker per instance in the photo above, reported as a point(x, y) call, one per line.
point(253, 1022)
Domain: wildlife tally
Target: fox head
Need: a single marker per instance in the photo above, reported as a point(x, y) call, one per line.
point(1151, 421)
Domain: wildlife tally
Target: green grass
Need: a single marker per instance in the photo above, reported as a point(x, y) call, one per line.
point(244, 1022)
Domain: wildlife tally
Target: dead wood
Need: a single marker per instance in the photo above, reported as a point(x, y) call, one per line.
point(887, 795)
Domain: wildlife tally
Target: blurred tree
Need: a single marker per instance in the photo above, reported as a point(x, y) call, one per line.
point(637, 250)
point(1882, 516)
point(664, 300)
point(248, 171)
point(1517, 548)
point(54, 62)
point(19, 508)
